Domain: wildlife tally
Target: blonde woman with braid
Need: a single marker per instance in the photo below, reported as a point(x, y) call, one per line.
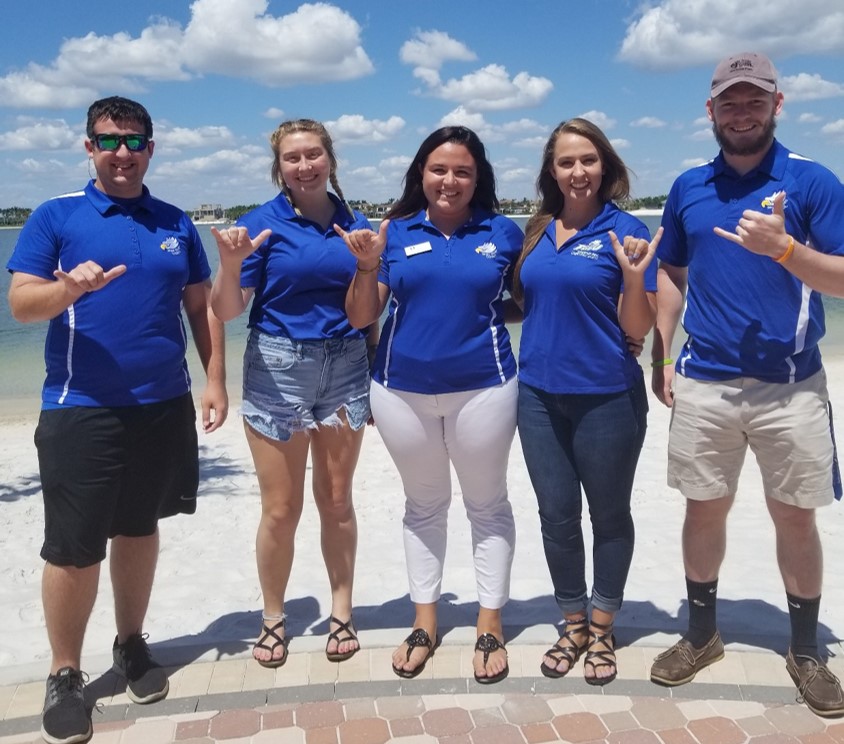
point(305, 372)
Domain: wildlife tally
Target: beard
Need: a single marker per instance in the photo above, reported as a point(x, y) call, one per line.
point(756, 146)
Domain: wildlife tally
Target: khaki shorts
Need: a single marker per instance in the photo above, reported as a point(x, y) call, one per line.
point(788, 428)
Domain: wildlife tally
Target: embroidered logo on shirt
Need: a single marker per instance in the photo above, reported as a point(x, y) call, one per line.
point(587, 250)
point(768, 201)
point(487, 250)
point(171, 245)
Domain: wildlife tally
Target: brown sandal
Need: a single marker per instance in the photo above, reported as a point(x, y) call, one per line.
point(600, 653)
point(570, 652)
point(335, 636)
point(271, 634)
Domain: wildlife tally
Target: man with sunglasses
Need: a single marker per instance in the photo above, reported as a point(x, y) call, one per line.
point(110, 268)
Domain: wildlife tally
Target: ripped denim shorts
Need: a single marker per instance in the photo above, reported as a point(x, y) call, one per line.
point(291, 386)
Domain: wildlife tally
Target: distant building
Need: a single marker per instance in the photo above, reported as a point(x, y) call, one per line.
point(209, 214)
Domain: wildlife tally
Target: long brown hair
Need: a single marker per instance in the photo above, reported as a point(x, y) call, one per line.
point(292, 126)
point(615, 184)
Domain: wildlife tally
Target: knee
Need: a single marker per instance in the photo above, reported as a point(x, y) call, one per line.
point(281, 514)
point(707, 514)
point(336, 506)
point(792, 521)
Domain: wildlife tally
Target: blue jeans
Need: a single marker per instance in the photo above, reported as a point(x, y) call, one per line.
point(588, 442)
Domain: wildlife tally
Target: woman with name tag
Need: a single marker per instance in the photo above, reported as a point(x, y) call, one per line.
point(305, 373)
point(444, 380)
point(585, 279)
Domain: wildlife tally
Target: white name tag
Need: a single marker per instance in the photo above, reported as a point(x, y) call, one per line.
point(413, 250)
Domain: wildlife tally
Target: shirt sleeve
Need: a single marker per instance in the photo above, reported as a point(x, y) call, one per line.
point(672, 247)
point(37, 249)
point(825, 212)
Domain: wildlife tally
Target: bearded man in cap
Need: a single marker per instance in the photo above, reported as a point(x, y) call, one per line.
point(756, 236)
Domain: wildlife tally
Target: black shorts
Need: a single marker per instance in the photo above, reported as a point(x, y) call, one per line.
point(113, 471)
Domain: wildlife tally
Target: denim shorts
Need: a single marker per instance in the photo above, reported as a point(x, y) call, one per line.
point(291, 386)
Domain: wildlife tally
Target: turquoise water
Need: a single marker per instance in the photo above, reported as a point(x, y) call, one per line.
point(23, 344)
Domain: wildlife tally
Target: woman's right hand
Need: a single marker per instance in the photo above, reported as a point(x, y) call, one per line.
point(234, 244)
point(365, 245)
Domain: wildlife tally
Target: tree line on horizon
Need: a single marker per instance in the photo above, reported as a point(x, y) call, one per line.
point(16, 216)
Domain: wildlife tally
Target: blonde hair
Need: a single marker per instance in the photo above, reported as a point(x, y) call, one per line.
point(292, 126)
point(615, 185)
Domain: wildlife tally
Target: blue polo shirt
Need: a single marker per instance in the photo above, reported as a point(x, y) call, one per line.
point(445, 329)
point(745, 315)
point(571, 341)
point(124, 344)
point(301, 273)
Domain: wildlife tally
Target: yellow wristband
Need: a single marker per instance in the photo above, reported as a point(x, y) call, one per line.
point(788, 251)
point(662, 362)
point(368, 271)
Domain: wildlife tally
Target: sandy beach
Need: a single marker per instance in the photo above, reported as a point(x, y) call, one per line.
point(206, 602)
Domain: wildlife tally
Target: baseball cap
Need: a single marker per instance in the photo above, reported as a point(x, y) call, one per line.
point(746, 67)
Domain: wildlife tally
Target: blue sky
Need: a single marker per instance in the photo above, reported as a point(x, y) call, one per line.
point(219, 75)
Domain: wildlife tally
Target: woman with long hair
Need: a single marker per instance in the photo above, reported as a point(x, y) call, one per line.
point(582, 399)
point(444, 378)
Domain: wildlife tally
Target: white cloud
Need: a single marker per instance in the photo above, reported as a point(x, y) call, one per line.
point(175, 139)
point(834, 129)
point(599, 119)
point(274, 113)
point(619, 143)
point(489, 88)
point(806, 87)
point(535, 143)
point(462, 117)
point(41, 135)
point(649, 122)
point(431, 49)
point(231, 164)
point(315, 43)
point(355, 129)
point(682, 33)
point(693, 162)
point(235, 38)
point(515, 175)
point(702, 135)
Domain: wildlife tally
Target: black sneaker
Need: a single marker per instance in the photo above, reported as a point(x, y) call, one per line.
point(146, 681)
point(66, 718)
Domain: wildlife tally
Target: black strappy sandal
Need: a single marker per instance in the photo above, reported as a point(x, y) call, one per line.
point(419, 637)
point(600, 653)
point(267, 634)
point(335, 636)
point(570, 653)
point(488, 643)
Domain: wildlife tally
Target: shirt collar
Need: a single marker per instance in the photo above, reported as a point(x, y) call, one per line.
point(605, 220)
point(772, 165)
point(480, 219)
point(287, 211)
point(104, 203)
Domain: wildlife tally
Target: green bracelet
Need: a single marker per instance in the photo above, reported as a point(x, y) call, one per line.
point(662, 362)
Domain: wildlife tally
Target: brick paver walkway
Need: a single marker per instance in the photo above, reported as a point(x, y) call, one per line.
point(748, 697)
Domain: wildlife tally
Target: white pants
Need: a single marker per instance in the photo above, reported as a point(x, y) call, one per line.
point(474, 431)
